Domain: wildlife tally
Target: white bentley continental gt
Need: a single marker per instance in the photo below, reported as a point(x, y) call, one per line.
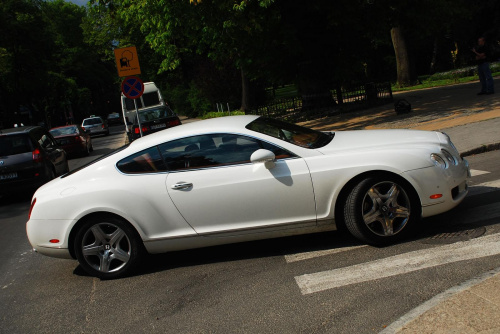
point(243, 178)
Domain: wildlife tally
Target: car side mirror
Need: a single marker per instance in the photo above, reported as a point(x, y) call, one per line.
point(263, 156)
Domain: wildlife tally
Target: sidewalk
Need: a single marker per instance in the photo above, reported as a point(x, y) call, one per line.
point(473, 123)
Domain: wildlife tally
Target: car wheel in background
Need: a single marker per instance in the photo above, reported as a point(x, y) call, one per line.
point(381, 210)
point(106, 247)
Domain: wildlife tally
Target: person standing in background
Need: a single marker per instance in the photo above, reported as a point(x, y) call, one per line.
point(483, 55)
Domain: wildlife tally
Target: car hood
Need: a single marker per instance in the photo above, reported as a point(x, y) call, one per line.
point(381, 139)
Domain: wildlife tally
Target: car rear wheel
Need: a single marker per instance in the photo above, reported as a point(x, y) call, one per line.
point(381, 210)
point(106, 247)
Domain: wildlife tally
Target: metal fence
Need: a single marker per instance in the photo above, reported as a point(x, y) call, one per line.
point(347, 99)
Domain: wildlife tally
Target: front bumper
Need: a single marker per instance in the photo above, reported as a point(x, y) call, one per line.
point(440, 190)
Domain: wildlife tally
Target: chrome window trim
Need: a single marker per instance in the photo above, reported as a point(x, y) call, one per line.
point(295, 156)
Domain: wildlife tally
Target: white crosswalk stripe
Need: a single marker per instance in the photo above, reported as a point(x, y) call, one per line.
point(483, 188)
point(400, 264)
point(310, 255)
point(475, 172)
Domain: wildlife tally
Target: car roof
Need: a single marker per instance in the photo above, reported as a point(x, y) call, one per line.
point(22, 129)
point(226, 124)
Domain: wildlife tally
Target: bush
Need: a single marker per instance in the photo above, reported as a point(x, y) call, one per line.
point(214, 114)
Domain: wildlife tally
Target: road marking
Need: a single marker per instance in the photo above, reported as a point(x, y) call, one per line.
point(400, 264)
point(310, 255)
point(473, 215)
point(483, 188)
point(475, 172)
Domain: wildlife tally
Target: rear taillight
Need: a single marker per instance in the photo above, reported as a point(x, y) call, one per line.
point(78, 139)
point(37, 155)
point(31, 208)
point(144, 129)
point(174, 122)
point(102, 126)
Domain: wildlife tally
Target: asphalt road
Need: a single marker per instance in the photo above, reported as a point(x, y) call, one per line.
point(321, 283)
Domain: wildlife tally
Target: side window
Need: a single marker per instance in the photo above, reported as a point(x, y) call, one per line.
point(147, 161)
point(279, 152)
point(43, 138)
point(213, 150)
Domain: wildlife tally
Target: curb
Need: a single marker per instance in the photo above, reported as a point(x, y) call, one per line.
point(481, 149)
point(398, 325)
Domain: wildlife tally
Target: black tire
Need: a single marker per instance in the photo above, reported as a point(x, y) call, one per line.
point(107, 247)
point(381, 210)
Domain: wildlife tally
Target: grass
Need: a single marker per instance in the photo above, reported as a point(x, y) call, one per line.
point(461, 75)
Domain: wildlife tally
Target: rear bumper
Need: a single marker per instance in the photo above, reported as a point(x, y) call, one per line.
point(23, 185)
point(50, 237)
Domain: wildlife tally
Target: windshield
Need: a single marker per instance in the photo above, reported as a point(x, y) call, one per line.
point(70, 130)
point(14, 144)
point(154, 113)
point(291, 133)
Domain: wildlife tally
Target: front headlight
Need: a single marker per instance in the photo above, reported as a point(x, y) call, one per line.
point(451, 159)
point(450, 143)
point(438, 161)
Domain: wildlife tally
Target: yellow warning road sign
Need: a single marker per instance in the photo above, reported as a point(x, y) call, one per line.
point(127, 61)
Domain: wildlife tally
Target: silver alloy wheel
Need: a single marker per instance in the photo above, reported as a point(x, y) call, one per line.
point(106, 247)
point(386, 208)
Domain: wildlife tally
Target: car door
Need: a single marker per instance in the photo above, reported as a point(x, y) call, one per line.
point(56, 155)
point(217, 189)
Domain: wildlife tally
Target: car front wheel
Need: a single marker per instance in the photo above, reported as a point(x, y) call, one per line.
point(381, 210)
point(107, 248)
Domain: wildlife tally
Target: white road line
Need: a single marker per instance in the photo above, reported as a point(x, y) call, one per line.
point(483, 188)
point(475, 172)
point(310, 255)
point(400, 264)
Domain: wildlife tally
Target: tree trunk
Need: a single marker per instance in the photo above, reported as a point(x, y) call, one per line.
point(434, 56)
point(402, 60)
point(245, 92)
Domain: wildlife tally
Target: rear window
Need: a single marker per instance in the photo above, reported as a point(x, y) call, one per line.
point(14, 144)
point(92, 121)
point(64, 131)
point(155, 113)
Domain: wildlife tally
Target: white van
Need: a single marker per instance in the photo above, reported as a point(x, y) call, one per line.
point(154, 113)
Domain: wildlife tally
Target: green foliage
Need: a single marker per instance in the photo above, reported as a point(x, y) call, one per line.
point(199, 103)
point(215, 114)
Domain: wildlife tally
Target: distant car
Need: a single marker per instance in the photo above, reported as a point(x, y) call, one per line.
point(154, 119)
point(243, 178)
point(29, 157)
point(115, 119)
point(96, 125)
point(73, 139)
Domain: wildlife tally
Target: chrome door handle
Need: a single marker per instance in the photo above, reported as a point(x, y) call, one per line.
point(182, 185)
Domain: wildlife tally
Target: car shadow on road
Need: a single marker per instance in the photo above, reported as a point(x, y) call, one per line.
point(247, 250)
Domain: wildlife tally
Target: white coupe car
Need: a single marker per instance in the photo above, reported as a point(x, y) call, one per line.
point(243, 178)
